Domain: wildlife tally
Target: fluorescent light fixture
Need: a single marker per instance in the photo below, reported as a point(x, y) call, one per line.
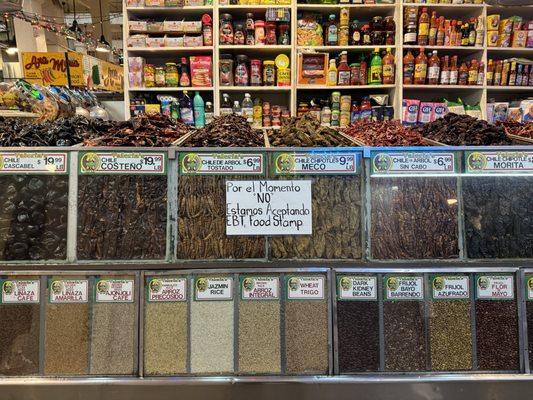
point(12, 50)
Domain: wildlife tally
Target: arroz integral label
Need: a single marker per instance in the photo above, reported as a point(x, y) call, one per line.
point(166, 289)
point(68, 290)
point(494, 162)
point(351, 287)
point(114, 290)
point(495, 287)
point(36, 163)
point(221, 163)
point(413, 162)
point(450, 287)
point(404, 288)
point(305, 288)
point(101, 162)
point(21, 291)
point(213, 288)
point(315, 163)
point(260, 288)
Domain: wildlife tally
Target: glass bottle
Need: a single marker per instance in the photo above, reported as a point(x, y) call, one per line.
point(490, 72)
point(185, 79)
point(463, 74)
point(409, 37)
point(355, 37)
point(423, 27)
point(421, 66)
point(454, 72)
point(225, 106)
point(433, 28)
point(332, 31)
point(344, 70)
point(472, 73)
point(445, 71)
point(388, 68)
point(376, 69)
point(363, 72)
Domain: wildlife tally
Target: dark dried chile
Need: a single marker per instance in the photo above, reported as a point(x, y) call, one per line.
point(524, 129)
point(122, 217)
point(384, 133)
point(529, 316)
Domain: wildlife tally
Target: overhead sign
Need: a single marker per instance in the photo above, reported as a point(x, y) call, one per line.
point(48, 69)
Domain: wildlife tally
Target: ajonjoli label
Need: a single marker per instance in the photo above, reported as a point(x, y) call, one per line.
point(259, 287)
point(450, 287)
point(529, 287)
point(305, 287)
point(68, 290)
point(221, 163)
point(112, 290)
point(409, 162)
point(166, 289)
point(20, 291)
point(315, 163)
point(123, 162)
point(12, 162)
point(352, 287)
point(213, 288)
point(404, 287)
point(494, 162)
point(495, 287)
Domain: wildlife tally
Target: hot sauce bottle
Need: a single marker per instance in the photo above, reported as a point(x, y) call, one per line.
point(421, 68)
point(408, 68)
point(423, 27)
point(433, 69)
point(388, 68)
point(454, 72)
point(445, 71)
point(433, 27)
point(463, 74)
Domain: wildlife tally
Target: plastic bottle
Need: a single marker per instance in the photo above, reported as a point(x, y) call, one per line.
point(423, 27)
point(325, 116)
point(480, 74)
point(225, 107)
point(258, 113)
point(388, 68)
point(248, 108)
point(433, 69)
point(498, 73)
point(409, 37)
point(433, 28)
point(186, 111)
point(454, 71)
point(363, 72)
point(408, 68)
point(445, 71)
point(376, 69)
point(490, 72)
point(332, 73)
point(441, 32)
point(344, 70)
point(365, 109)
point(209, 112)
point(199, 111)
point(185, 79)
point(472, 73)
point(421, 68)
point(463, 74)
point(236, 109)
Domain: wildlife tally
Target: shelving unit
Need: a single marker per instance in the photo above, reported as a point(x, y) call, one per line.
point(363, 12)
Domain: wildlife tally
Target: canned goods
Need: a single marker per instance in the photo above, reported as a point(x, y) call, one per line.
point(336, 97)
point(346, 103)
point(345, 118)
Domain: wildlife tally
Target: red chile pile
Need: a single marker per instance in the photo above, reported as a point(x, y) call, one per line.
point(384, 133)
point(519, 129)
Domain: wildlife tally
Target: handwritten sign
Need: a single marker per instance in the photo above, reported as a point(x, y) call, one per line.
point(48, 69)
point(268, 208)
point(410, 162)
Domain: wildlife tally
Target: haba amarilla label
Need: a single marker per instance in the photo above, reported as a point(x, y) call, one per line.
point(111, 162)
point(316, 163)
point(404, 287)
point(12, 162)
point(166, 289)
point(221, 163)
point(352, 287)
point(305, 287)
point(68, 290)
point(213, 288)
point(112, 290)
point(20, 291)
point(260, 288)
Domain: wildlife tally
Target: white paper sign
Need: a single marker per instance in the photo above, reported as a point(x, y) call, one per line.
point(268, 207)
point(357, 287)
point(451, 287)
point(167, 289)
point(305, 287)
point(114, 291)
point(495, 287)
point(20, 291)
point(404, 288)
point(213, 288)
point(260, 288)
point(69, 291)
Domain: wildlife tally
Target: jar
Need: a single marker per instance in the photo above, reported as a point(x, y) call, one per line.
point(283, 77)
point(238, 35)
point(377, 38)
point(276, 121)
point(171, 74)
point(284, 38)
point(266, 121)
point(285, 114)
point(226, 29)
point(270, 33)
point(269, 73)
point(226, 70)
point(250, 37)
point(256, 73)
point(303, 108)
point(149, 75)
point(266, 108)
point(259, 32)
point(344, 35)
point(160, 77)
point(207, 30)
point(250, 22)
point(242, 75)
point(276, 111)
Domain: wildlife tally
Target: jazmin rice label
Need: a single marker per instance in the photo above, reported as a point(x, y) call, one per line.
point(21, 291)
point(260, 288)
point(357, 287)
point(305, 288)
point(404, 288)
point(114, 290)
point(213, 288)
point(68, 290)
point(167, 289)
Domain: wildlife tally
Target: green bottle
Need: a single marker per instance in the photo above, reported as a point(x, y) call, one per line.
point(376, 69)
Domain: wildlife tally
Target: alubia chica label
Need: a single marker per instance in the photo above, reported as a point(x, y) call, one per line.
point(451, 287)
point(404, 288)
point(213, 288)
point(166, 289)
point(357, 287)
point(21, 291)
point(305, 288)
point(260, 288)
point(114, 290)
point(495, 287)
point(68, 290)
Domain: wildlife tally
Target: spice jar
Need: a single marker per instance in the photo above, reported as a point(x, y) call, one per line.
point(270, 33)
point(242, 76)
point(171, 74)
point(149, 75)
point(160, 77)
point(226, 70)
point(269, 73)
point(238, 35)
point(303, 108)
point(226, 29)
point(207, 29)
point(250, 22)
point(259, 32)
point(284, 38)
point(256, 73)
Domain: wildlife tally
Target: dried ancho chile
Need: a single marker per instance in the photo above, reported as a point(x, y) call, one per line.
point(498, 216)
point(33, 219)
point(122, 217)
point(412, 218)
point(384, 133)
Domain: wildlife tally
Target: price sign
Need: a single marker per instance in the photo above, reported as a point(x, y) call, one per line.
point(315, 163)
point(92, 162)
point(494, 162)
point(221, 163)
point(33, 163)
point(413, 162)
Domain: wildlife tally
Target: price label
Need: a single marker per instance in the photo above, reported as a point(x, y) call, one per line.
point(221, 163)
point(494, 162)
point(315, 163)
point(412, 162)
point(123, 163)
point(33, 163)
point(495, 287)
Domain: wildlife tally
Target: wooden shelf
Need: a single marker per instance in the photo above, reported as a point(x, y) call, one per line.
point(252, 6)
point(325, 7)
point(510, 89)
point(444, 87)
point(254, 88)
point(357, 87)
point(265, 48)
point(444, 6)
point(172, 89)
point(188, 10)
point(458, 48)
point(340, 48)
point(155, 50)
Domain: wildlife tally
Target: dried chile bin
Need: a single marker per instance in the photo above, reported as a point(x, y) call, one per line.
point(413, 204)
point(122, 205)
point(337, 200)
point(34, 198)
point(528, 311)
point(498, 210)
point(202, 203)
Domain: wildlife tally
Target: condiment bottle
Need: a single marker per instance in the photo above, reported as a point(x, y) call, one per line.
point(185, 80)
point(445, 71)
point(344, 71)
point(247, 109)
point(344, 16)
point(256, 73)
point(365, 109)
point(258, 113)
point(490, 72)
point(472, 73)
point(433, 69)
point(472, 32)
point(355, 37)
point(332, 73)
point(390, 27)
point(207, 30)
point(388, 68)
point(423, 27)
point(355, 69)
point(325, 116)
point(441, 32)
point(421, 66)
point(186, 111)
point(498, 73)
point(409, 37)
point(363, 71)
point(463, 74)
point(332, 33)
point(454, 72)
point(344, 35)
point(480, 73)
point(365, 35)
point(225, 106)
point(236, 110)
point(209, 112)
point(465, 34)
point(199, 111)
point(408, 68)
point(376, 69)
point(480, 32)
point(433, 27)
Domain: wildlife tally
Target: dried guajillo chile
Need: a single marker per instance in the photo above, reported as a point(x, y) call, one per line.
point(414, 218)
point(336, 222)
point(498, 216)
point(384, 133)
point(122, 217)
point(33, 218)
point(524, 129)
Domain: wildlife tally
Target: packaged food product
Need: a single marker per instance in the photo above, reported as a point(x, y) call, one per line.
point(456, 107)
point(493, 22)
point(137, 41)
point(492, 38)
point(155, 42)
point(135, 73)
point(201, 70)
point(154, 26)
point(506, 26)
point(137, 26)
point(529, 41)
point(473, 111)
point(425, 113)
point(149, 75)
point(504, 40)
point(497, 111)
point(439, 110)
point(309, 31)
point(312, 68)
point(193, 41)
point(519, 39)
point(514, 114)
point(154, 3)
point(526, 108)
point(283, 70)
point(410, 111)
